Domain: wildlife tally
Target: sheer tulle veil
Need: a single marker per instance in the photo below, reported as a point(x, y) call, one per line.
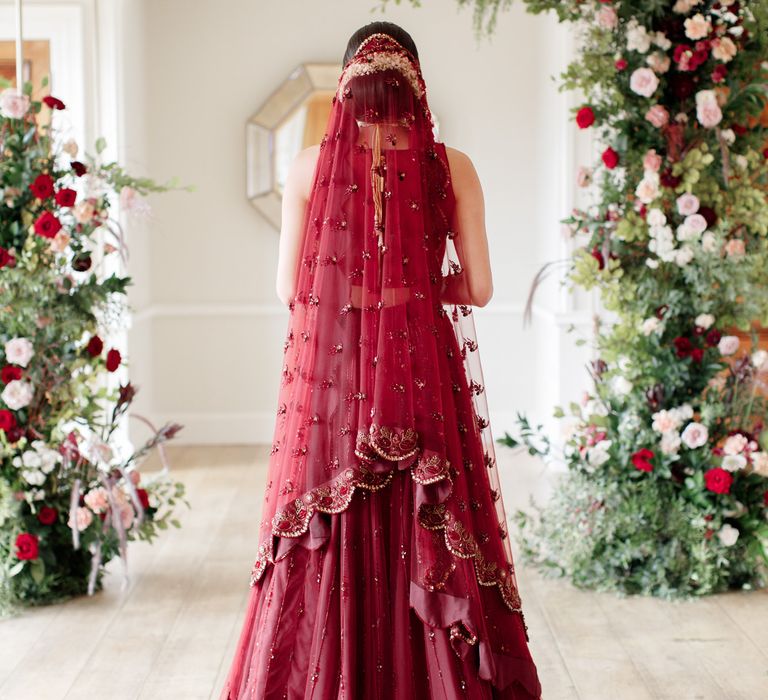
point(381, 370)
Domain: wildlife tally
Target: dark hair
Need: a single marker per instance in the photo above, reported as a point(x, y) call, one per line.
point(389, 28)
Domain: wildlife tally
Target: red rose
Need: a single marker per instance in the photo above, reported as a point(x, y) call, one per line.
point(9, 373)
point(610, 158)
point(143, 498)
point(42, 187)
point(26, 545)
point(597, 255)
point(66, 197)
point(7, 259)
point(697, 354)
point(47, 515)
point(739, 129)
point(113, 359)
point(47, 225)
point(719, 74)
point(621, 64)
point(642, 460)
point(79, 168)
point(683, 346)
point(713, 337)
point(765, 498)
point(7, 420)
point(53, 102)
point(718, 480)
point(669, 180)
point(585, 117)
point(95, 346)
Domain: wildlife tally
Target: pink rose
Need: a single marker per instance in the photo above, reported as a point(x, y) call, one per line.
point(696, 223)
point(724, 49)
point(644, 82)
point(735, 444)
point(83, 518)
point(658, 116)
point(728, 344)
point(12, 104)
point(607, 17)
point(697, 27)
point(96, 499)
point(707, 109)
point(735, 248)
point(652, 161)
point(583, 177)
point(688, 204)
point(695, 435)
point(659, 62)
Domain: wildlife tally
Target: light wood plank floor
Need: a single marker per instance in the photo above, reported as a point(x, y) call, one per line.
point(171, 633)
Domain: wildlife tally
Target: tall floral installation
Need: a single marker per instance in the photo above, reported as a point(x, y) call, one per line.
point(666, 487)
point(71, 495)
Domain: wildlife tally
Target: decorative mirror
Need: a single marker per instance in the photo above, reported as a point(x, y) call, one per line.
point(293, 118)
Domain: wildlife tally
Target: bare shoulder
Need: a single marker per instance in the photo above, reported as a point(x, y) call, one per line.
point(302, 170)
point(463, 171)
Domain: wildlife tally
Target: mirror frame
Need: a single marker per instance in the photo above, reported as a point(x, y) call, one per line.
point(261, 129)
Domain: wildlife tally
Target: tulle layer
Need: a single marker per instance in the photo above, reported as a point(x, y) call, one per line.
point(337, 615)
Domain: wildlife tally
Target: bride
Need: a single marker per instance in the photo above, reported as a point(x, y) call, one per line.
point(383, 567)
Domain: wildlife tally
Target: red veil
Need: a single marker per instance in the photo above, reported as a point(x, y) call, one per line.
point(381, 381)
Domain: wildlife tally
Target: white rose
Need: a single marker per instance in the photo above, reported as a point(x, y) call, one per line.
point(651, 263)
point(734, 463)
point(728, 136)
point(728, 345)
point(621, 385)
point(638, 38)
point(17, 394)
point(650, 325)
point(598, 454)
point(708, 242)
point(19, 351)
point(33, 477)
point(648, 189)
point(670, 443)
point(684, 256)
point(661, 40)
point(760, 463)
point(12, 104)
point(656, 217)
point(728, 535)
point(760, 360)
point(665, 421)
point(695, 435)
point(704, 321)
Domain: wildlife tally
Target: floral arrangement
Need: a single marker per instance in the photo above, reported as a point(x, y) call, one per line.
point(71, 495)
point(666, 487)
point(667, 484)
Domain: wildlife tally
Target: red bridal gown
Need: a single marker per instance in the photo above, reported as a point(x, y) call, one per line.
point(383, 568)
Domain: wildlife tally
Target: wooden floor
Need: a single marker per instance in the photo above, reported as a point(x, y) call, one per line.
point(170, 634)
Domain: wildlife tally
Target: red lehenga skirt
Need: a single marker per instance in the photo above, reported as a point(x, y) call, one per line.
point(336, 618)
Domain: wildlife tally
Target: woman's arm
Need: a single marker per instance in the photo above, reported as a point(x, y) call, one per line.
point(475, 285)
point(295, 196)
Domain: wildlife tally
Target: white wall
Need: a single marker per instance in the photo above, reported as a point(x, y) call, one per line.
point(206, 343)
